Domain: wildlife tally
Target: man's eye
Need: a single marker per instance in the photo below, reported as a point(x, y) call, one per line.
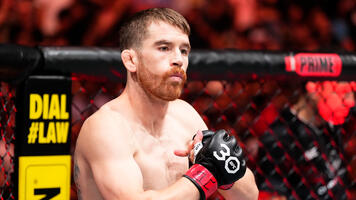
point(184, 51)
point(163, 48)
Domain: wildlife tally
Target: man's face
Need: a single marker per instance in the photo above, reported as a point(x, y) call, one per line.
point(163, 61)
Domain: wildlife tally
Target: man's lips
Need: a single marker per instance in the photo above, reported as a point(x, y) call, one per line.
point(177, 75)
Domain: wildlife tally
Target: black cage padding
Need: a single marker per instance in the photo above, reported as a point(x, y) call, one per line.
point(203, 64)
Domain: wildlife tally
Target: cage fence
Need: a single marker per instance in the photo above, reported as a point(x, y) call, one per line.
point(248, 108)
point(7, 130)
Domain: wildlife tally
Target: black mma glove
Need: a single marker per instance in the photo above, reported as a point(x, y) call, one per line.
point(219, 162)
point(207, 134)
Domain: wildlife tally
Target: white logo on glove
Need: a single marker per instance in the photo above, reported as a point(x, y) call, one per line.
point(197, 147)
point(232, 164)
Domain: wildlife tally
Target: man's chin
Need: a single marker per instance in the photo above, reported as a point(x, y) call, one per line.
point(170, 96)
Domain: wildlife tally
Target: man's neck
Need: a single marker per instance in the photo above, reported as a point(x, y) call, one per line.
point(149, 110)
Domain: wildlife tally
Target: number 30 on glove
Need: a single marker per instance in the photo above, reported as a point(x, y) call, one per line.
point(218, 163)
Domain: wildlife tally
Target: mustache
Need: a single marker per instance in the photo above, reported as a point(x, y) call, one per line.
point(176, 71)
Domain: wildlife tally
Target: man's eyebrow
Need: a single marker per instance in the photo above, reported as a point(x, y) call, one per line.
point(186, 45)
point(166, 42)
point(161, 42)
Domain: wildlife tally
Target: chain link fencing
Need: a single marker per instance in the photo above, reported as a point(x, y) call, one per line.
point(248, 109)
point(7, 131)
point(315, 163)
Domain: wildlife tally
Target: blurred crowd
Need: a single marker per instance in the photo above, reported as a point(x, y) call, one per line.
point(242, 24)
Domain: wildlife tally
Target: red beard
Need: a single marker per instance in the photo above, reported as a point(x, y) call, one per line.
point(161, 86)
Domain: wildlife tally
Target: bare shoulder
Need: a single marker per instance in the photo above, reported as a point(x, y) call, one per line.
point(184, 107)
point(186, 112)
point(103, 132)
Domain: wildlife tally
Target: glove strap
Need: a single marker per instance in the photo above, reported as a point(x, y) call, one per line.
point(203, 180)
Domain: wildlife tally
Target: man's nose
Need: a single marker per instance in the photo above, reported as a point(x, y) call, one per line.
point(177, 59)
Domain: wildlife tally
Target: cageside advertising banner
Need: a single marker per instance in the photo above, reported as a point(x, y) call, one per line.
point(43, 125)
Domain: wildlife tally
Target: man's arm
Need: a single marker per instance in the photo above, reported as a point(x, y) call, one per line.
point(109, 152)
point(243, 189)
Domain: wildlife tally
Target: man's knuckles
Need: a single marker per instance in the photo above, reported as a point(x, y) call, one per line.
point(223, 157)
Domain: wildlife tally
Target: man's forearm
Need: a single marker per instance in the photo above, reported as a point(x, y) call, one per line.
point(243, 189)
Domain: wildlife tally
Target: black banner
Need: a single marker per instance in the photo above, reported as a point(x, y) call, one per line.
point(43, 122)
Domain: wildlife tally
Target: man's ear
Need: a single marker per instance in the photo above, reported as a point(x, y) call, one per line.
point(129, 59)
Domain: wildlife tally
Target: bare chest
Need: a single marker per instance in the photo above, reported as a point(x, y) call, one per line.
point(159, 165)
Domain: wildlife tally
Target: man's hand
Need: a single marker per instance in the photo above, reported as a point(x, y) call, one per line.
point(207, 134)
point(218, 161)
point(198, 137)
point(199, 140)
point(222, 156)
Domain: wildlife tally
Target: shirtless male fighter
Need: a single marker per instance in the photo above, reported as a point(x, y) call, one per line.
point(137, 145)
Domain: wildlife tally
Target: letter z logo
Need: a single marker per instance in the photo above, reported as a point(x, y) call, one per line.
point(232, 164)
